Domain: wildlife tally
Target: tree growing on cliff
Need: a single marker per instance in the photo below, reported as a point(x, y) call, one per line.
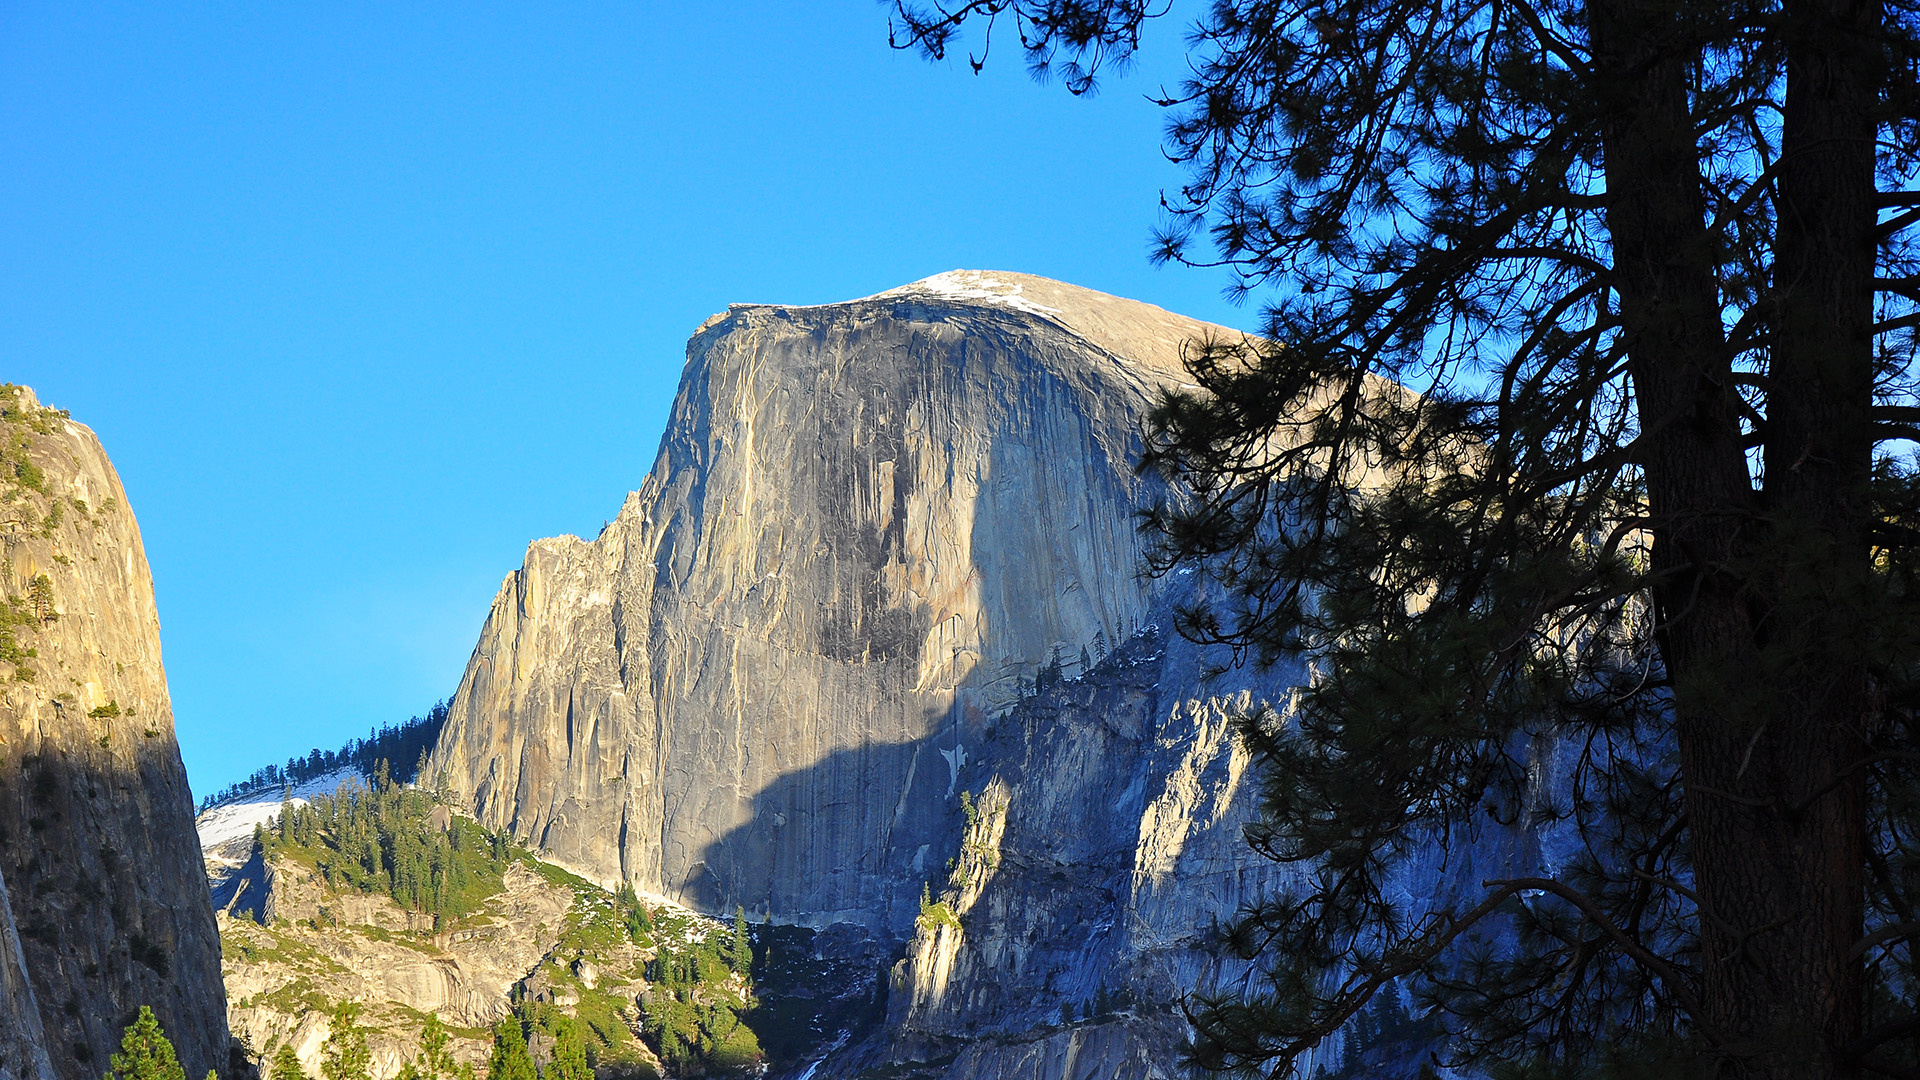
point(145, 1052)
point(436, 1057)
point(1647, 526)
point(345, 1055)
point(510, 1059)
point(40, 599)
point(286, 1064)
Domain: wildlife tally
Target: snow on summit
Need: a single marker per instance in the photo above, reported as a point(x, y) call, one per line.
point(972, 285)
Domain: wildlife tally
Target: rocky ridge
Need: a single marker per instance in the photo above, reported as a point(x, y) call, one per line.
point(106, 908)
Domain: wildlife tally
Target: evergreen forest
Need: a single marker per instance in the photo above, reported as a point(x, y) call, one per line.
point(697, 1008)
point(397, 840)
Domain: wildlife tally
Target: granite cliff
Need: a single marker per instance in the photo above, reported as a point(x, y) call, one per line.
point(871, 647)
point(106, 908)
point(1103, 840)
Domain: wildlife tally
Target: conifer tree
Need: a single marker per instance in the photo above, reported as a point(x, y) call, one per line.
point(740, 945)
point(40, 599)
point(510, 1060)
point(436, 1059)
point(145, 1052)
point(1576, 457)
point(569, 1052)
point(345, 1055)
point(286, 1064)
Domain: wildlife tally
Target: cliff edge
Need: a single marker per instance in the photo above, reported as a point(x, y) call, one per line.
point(107, 903)
point(871, 651)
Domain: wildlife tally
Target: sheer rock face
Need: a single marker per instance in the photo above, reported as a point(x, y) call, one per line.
point(97, 847)
point(23, 1042)
point(888, 557)
point(869, 525)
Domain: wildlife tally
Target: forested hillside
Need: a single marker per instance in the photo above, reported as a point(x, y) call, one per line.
point(401, 746)
point(397, 840)
point(381, 900)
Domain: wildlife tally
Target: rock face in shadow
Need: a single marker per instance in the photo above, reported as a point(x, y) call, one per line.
point(1100, 839)
point(97, 848)
point(886, 570)
point(23, 1042)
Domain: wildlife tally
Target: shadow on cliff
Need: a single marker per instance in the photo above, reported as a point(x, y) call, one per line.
point(1077, 754)
point(1043, 484)
point(849, 839)
point(852, 839)
point(110, 900)
point(829, 865)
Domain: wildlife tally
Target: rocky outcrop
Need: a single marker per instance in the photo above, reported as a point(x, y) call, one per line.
point(285, 971)
point(871, 526)
point(245, 890)
point(97, 847)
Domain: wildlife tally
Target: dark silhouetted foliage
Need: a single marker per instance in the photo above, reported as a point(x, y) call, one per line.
point(1577, 458)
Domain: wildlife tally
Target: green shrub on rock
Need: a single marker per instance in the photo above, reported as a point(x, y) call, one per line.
point(286, 1065)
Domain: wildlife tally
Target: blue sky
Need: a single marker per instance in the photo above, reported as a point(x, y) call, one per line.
point(363, 297)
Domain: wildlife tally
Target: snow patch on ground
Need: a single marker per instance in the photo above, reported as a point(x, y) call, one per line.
point(971, 285)
point(235, 818)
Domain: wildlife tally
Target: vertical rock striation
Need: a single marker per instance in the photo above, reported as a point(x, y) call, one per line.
point(1102, 844)
point(107, 898)
point(870, 525)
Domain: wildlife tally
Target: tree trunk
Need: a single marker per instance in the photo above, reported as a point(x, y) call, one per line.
point(1758, 595)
